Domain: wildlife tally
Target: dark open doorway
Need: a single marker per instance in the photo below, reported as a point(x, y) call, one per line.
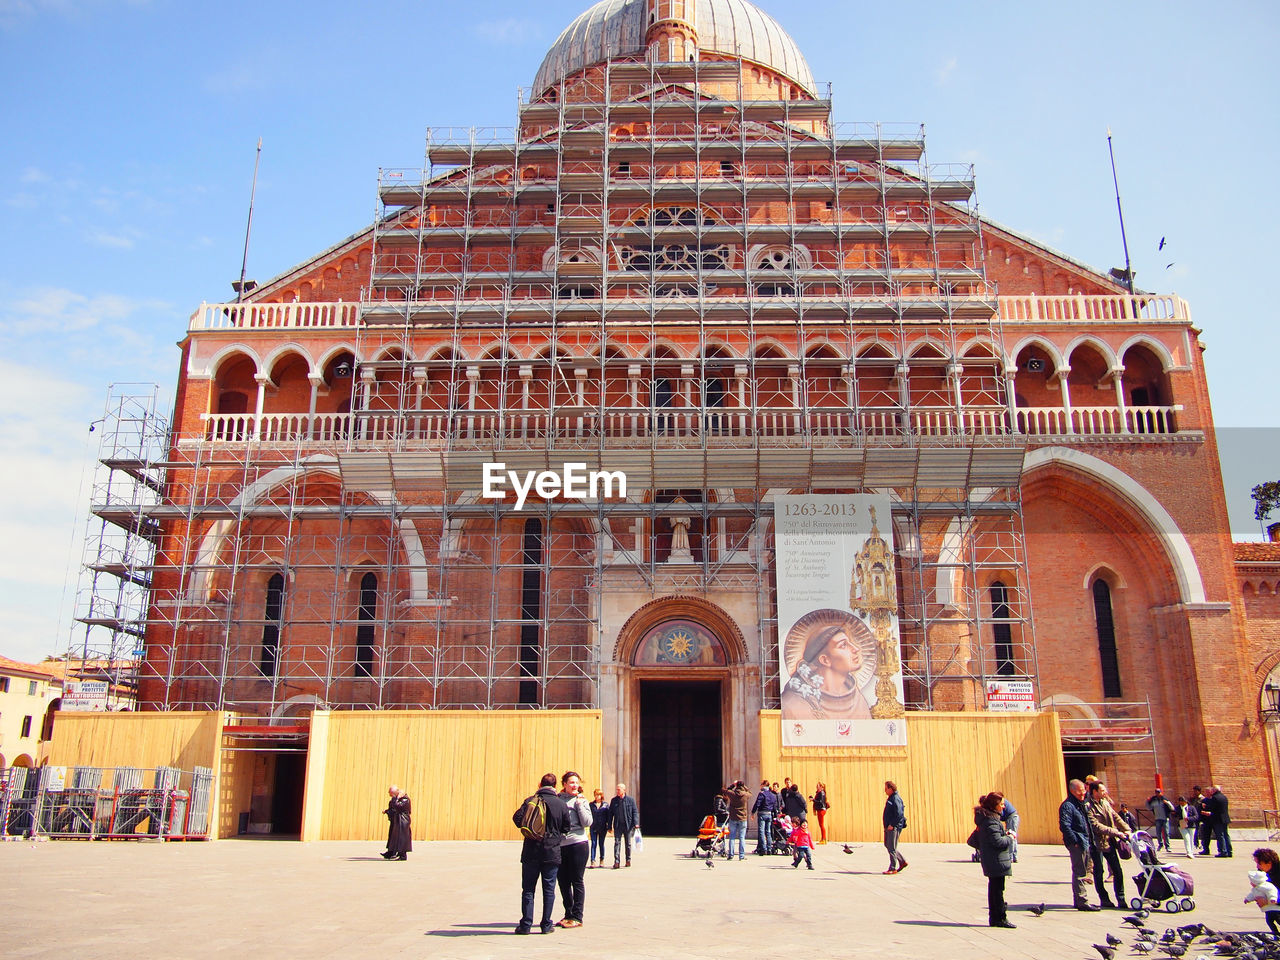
point(286, 795)
point(680, 754)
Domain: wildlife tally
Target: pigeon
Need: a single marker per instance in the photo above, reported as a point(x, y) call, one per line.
point(1168, 936)
point(1174, 949)
point(710, 865)
point(1038, 911)
point(848, 849)
point(1108, 953)
point(1144, 946)
point(1134, 919)
point(1114, 940)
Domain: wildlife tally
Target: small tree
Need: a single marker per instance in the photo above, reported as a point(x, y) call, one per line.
point(1266, 497)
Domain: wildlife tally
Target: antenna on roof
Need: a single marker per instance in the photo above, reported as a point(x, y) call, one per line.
point(1124, 276)
point(242, 287)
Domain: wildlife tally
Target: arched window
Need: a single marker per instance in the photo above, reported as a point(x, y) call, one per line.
point(530, 611)
point(272, 617)
point(1106, 639)
point(1001, 629)
point(366, 613)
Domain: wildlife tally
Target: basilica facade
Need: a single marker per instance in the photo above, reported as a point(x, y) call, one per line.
point(518, 444)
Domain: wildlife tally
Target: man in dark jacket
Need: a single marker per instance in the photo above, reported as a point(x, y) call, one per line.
point(794, 803)
point(1220, 817)
point(625, 818)
point(540, 857)
point(738, 796)
point(1073, 821)
point(765, 808)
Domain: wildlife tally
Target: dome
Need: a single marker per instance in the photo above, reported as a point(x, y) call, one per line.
point(617, 28)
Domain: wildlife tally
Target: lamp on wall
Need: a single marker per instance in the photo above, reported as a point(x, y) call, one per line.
point(1271, 702)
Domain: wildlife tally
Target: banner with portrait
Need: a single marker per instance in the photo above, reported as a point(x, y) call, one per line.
point(840, 660)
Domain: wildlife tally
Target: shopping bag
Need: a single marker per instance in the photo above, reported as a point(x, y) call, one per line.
point(638, 845)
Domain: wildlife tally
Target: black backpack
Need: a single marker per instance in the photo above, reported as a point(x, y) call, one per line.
point(532, 818)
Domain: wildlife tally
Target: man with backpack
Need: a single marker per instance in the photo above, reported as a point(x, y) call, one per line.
point(543, 820)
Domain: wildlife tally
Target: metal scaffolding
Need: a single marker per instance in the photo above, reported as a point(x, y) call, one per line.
point(726, 298)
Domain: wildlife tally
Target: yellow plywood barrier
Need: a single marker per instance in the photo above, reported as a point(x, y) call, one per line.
point(184, 740)
point(465, 771)
point(950, 760)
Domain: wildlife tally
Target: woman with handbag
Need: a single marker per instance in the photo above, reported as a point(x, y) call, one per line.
point(820, 807)
point(995, 850)
point(1110, 842)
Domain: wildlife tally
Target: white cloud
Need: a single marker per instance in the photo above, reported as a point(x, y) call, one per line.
point(510, 32)
point(944, 72)
point(53, 310)
point(34, 175)
point(121, 240)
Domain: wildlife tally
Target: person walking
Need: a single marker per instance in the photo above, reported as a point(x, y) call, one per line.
point(599, 828)
point(995, 851)
point(738, 796)
point(624, 818)
point(803, 843)
point(895, 821)
point(543, 819)
point(1159, 808)
point(1190, 824)
point(820, 808)
point(1221, 818)
point(765, 808)
point(574, 847)
point(399, 825)
point(1108, 831)
point(1073, 822)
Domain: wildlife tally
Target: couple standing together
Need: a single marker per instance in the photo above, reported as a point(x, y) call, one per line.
point(556, 848)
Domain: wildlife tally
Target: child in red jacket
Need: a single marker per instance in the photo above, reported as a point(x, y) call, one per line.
point(802, 841)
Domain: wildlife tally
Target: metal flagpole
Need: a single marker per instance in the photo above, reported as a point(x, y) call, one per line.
point(253, 192)
point(1128, 270)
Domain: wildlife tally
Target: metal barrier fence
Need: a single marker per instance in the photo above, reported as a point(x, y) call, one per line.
point(96, 803)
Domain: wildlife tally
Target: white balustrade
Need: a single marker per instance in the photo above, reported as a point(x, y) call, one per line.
point(1081, 308)
point(1097, 421)
point(274, 316)
point(430, 428)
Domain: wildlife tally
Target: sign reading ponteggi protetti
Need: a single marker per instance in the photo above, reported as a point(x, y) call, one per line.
point(85, 695)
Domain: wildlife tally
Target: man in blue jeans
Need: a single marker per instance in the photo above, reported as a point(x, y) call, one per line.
point(738, 819)
point(625, 818)
point(765, 807)
point(540, 855)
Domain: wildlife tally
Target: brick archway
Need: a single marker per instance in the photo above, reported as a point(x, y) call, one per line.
point(690, 608)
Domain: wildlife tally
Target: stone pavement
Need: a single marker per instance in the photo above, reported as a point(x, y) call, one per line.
point(236, 898)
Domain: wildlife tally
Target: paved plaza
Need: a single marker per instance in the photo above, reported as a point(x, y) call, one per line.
point(238, 898)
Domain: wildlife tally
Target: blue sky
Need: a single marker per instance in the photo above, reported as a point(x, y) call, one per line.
point(129, 147)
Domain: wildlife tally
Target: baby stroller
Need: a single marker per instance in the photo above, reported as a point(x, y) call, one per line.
point(713, 838)
point(1159, 883)
point(779, 839)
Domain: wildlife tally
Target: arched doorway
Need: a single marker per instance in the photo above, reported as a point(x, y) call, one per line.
point(681, 740)
point(676, 726)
